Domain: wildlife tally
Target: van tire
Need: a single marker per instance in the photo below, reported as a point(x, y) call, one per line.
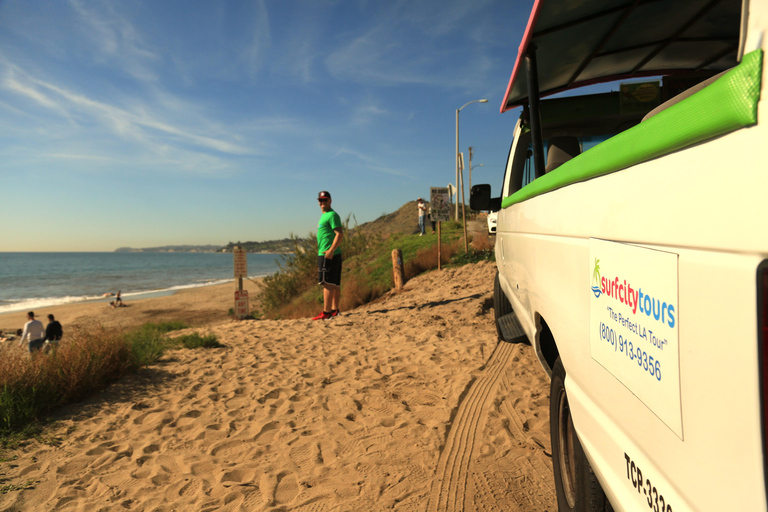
point(577, 487)
point(501, 305)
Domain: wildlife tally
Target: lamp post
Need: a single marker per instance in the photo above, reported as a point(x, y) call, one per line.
point(456, 214)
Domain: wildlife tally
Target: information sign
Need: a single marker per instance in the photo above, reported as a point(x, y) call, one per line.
point(241, 303)
point(241, 262)
point(440, 202)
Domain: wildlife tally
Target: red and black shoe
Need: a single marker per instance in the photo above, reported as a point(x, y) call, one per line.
point(323, 316)
point(335, 312)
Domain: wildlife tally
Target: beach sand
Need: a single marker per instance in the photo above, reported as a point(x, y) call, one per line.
point(408, 403)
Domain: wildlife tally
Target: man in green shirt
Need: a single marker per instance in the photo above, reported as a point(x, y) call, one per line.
point(329, 235)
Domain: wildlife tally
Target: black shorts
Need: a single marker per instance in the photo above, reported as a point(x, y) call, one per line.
point(329, 272)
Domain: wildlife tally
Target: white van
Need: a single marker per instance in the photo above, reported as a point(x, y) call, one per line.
point(632, 248)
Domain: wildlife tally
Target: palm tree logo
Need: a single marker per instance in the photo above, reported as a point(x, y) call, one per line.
point(596, 279)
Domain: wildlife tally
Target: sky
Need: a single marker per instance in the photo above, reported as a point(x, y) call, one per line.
point(150, 123)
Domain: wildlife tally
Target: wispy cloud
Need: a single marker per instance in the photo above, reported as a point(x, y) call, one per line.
point(414, 43)
point(367, 112)
point(370, 162)
point(256, 52)
point(138, 124)
point(114, 40)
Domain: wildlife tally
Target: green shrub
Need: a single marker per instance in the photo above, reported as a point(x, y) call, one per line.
point(252, 315)
point(194, 340)
point(473, 256)
point(148, 342)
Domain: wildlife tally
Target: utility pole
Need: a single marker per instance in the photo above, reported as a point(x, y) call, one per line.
point(470, 169)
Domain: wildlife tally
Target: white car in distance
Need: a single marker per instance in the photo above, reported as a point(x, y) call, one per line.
point(492, 222)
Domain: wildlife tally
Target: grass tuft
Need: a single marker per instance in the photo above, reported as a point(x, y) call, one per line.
point(194, 340)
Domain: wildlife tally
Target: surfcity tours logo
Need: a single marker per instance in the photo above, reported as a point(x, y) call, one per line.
point(635, 298)
point(596, 279)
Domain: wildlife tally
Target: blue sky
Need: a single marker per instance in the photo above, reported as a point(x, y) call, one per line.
point(147, 122)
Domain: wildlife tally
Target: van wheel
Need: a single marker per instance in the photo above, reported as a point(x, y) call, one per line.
point(501, 305)
point(577, 487)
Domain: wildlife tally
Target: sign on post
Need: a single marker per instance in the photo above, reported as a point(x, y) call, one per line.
point(241, 262)
point(440, 201)
point(241, 303)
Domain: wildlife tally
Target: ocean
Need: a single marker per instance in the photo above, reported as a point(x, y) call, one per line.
point(35, 280)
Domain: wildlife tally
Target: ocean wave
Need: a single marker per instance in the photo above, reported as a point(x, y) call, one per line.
point(41, 302)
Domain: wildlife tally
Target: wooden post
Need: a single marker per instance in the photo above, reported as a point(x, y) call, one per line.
point(241, 270)
point(439, 247)
point(397, 268)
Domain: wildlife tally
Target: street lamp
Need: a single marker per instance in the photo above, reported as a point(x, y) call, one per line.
point(470, 172)
point(457, 152)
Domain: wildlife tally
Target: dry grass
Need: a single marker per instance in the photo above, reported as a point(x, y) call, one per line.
point(482, 243)
point(356, 292)
point(87, 360)
point(31, 385)
point(426, 259)
point(297, 309)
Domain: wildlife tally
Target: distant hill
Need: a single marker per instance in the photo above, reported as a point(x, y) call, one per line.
point(405, 220)
point(174, 248)
point(284, 245)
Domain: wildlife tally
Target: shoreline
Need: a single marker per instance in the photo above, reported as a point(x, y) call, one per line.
point(197, 306)
point(24, 305)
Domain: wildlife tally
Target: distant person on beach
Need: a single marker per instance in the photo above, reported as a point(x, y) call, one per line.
point(422, 215)
point(329, 235)
point(118, 300)
point(34, 332)
point(53, 333)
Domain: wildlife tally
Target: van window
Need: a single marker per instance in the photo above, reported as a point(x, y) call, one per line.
point(524, 169)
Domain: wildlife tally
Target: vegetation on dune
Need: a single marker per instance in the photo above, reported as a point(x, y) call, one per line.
point(292, 292)
point(87, 361)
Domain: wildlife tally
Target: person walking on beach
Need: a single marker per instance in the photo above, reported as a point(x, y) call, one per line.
point(422, 215)
point(329, 235)
point(53, 333)
point(34, 331)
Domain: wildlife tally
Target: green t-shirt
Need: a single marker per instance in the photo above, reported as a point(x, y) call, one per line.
point(329, 221)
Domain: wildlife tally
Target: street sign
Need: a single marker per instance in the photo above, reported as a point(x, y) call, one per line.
point(241, 303)
point(440, 201)
point(241, 262)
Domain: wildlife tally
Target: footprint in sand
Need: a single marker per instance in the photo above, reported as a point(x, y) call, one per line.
point(287, 487)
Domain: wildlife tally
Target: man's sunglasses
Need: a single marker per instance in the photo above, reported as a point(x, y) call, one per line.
point(322, 199)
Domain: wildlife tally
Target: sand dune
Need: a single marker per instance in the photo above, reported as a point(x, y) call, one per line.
point(406, 404)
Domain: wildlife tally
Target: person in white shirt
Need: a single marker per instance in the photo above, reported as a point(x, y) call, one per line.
point(422, 215)
point(34, 331)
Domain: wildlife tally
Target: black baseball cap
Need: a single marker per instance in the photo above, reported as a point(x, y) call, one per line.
point(324, 195)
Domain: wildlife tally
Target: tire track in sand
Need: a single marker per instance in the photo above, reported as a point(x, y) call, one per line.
point(450, 484)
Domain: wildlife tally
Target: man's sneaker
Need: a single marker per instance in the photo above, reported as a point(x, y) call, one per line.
point(323, 316)
point(335, 312)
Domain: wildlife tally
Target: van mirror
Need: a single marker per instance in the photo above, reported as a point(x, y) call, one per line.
point(480, 199)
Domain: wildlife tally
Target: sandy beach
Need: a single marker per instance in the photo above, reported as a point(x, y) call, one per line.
point(408, 403)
